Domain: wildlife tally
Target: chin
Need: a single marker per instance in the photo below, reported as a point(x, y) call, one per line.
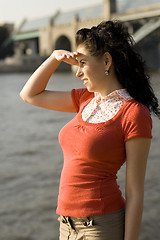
point(90, 89)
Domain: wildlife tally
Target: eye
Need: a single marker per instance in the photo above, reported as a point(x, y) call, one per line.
point(81, 63)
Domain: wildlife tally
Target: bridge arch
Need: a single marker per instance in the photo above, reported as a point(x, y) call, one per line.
point(63, 42)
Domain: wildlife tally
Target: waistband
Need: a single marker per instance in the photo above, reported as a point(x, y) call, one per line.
point(79, 222)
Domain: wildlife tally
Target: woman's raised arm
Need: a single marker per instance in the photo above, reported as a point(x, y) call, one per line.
point(34, 90)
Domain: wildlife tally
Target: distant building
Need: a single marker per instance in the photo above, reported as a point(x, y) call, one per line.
point(28, 36)
point(41, 36)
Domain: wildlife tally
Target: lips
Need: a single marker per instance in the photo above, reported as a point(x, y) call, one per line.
point(85, 81)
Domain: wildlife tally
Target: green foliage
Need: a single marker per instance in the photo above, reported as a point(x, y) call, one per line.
point(4, 34)
point(6, 45)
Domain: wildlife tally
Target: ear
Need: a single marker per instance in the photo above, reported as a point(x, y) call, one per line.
point(107, 60)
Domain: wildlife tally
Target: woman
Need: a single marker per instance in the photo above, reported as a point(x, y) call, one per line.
point(112, 125)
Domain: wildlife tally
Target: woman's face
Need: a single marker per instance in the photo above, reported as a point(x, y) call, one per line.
point(91, 70)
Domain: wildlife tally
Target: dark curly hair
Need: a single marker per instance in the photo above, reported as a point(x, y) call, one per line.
point(130, 69)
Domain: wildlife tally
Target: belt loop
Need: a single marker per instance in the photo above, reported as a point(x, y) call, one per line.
point(64, 219)
point(70, 223)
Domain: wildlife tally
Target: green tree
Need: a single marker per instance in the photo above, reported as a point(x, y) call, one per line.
point(6, 45)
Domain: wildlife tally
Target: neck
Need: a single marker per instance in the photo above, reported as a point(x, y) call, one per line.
point(112, 84)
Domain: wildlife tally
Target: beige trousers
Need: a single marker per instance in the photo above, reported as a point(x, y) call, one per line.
point(102, 227)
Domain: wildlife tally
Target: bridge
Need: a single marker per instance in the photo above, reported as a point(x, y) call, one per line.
point(42, 36)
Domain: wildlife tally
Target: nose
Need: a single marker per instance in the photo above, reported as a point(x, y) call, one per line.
point(79, 72)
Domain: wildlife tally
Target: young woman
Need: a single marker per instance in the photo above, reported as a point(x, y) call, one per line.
point(112, 125)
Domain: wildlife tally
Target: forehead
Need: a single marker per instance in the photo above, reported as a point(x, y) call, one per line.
point(82, 51)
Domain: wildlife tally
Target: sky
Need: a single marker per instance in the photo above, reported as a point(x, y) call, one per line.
point(14, 11)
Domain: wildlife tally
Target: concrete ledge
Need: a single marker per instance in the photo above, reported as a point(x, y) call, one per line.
point(27, 64)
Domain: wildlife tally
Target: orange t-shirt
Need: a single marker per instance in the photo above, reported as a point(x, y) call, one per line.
point(93, 153)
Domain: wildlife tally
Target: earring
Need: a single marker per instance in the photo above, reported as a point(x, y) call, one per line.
point(106, 72)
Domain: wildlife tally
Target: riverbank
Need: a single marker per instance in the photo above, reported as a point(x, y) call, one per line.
point(21, 64)
point(31, 161)
point(25, 64)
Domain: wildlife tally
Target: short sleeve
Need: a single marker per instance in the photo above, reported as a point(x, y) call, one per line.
point(79, 96)
point(137, 122)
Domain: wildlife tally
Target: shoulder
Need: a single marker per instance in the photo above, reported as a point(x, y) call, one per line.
point(136, 120)
point(80, 96)
point(134, 109)
point(81, 92)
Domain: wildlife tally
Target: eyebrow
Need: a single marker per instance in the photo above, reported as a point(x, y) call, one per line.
point(82, 60)
point(80, 55)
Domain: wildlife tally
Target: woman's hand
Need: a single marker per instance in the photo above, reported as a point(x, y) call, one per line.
point(66, 56)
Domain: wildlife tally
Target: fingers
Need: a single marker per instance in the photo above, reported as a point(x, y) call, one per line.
point(66, 56)
point(71, 55)
point(62, 55)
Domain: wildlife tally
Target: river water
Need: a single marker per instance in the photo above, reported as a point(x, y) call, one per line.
point(31, 161)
